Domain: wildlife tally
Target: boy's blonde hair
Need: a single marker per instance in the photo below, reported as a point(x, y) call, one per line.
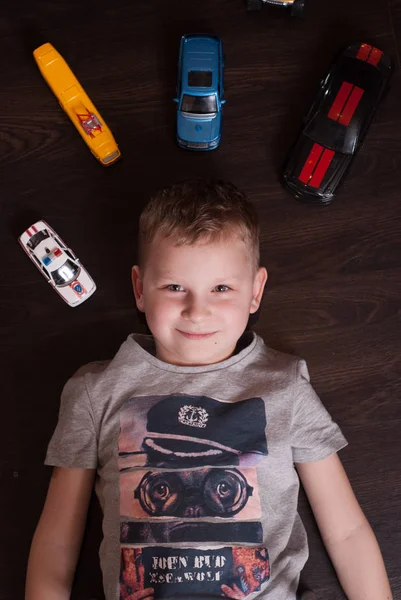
point(198, 210)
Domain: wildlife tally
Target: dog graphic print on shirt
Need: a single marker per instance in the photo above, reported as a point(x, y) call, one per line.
point(189, 498)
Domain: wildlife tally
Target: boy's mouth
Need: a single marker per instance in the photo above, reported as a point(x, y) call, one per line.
point(196, 336)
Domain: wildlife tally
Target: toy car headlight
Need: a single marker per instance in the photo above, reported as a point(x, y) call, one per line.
point(213, 144)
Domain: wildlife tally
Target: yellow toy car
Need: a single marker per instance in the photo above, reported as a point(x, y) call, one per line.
point(76, 103)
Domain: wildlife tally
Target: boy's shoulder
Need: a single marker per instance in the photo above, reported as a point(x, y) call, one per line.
point(98, 370)
point(95, 367)
point(282, 368)
point(277, 359)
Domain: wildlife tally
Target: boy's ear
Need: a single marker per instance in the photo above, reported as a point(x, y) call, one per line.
point(137, 284)
point(258, 288)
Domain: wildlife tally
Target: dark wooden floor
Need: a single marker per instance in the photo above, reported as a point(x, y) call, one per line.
point(335, 275)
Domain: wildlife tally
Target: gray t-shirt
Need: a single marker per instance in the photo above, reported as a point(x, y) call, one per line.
point(195, 468)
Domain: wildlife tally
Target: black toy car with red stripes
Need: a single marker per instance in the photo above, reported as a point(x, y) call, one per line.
point(337, 123)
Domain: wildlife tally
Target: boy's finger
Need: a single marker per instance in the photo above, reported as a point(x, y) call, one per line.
point(229, 592)
point(143, 594)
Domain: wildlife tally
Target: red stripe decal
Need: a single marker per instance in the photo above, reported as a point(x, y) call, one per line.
point(29, 233)
point(364, 51)
point(339, 101)
point(34, 228)
point(350, 107)
point(310, 163)
point(375, 57)
point(322, 167)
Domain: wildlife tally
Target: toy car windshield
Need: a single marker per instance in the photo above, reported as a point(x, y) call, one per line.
point(333, 135)
point(37, 238)
point(200, 105)
point(364, 76)
point(66, 273)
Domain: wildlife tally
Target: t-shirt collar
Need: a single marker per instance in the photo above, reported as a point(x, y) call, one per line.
point(145, 346)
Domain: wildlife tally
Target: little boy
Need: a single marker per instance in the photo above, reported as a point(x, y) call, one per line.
point(194, 432)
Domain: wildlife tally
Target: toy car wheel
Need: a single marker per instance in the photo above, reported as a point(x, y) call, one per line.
point(297, 9)
point(254, 4)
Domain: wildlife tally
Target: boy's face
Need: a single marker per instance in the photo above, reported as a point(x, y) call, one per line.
point(197, 299)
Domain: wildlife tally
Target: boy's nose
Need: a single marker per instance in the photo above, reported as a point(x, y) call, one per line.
point(195, 310)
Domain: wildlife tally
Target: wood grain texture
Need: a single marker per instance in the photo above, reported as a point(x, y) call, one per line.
point(334, 289)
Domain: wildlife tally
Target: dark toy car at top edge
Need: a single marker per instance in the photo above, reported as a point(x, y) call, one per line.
point(296, 6)
point(337, 123)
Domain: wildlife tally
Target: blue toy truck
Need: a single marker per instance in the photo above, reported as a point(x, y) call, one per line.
point(200, 92)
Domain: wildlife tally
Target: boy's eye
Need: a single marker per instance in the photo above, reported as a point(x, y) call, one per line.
point(174, 287)
point(221, 288)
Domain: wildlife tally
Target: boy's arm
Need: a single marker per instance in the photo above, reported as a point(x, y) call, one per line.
point(58, 536)
point(346, 533)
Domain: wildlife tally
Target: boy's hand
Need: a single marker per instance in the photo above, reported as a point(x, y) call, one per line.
point(134, 577)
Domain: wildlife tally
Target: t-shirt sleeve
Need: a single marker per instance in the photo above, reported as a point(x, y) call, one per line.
point(74, 441)
point(314, 434)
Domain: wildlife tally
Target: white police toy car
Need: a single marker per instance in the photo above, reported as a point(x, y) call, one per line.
point(57, 263)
